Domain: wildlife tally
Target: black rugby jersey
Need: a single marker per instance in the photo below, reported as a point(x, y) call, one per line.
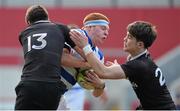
point(42, 44)
point(148, 83)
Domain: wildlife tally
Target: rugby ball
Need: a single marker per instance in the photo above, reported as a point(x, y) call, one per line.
point(82, 81)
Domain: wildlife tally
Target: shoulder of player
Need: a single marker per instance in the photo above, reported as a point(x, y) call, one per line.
point(62, 27)
point(60, 24)
point(138, 63)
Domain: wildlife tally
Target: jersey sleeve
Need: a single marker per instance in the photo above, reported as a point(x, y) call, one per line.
point(67, 36)
point(67, 47)
point(20, 37)
point(132, 69)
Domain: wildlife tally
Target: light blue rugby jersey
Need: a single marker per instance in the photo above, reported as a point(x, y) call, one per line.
point(68, 75)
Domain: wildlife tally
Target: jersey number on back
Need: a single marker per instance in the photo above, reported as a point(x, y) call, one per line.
point(40, 38)
point(161, 78)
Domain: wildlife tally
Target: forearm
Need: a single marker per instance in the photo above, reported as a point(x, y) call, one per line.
point(96, 64)
point(70, 61)
point(80, 52)
point(112, 72)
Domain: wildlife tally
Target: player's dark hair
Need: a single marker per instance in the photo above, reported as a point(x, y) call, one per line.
point(143, 31)
point(36, 13)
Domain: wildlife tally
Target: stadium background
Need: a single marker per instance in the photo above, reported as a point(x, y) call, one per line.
point(165, 14)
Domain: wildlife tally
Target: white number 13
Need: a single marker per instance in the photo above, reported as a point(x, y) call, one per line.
point(40, 38)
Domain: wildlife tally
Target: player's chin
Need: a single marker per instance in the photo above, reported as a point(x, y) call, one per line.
point(100, 42)
point(125, 49)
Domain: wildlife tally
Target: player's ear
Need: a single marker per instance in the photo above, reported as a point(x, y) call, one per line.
point(140, 44)
point(28, 22)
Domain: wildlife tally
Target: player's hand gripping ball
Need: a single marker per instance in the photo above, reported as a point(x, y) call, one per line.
point(82, 81)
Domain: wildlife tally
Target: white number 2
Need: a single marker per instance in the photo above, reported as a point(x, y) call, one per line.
point(161, 79)
point(40, 38)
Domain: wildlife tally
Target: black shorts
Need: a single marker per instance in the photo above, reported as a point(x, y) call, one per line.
point(35, 95)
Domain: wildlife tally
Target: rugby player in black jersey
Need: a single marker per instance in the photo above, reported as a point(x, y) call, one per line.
point(145, 76)
point(42, 41)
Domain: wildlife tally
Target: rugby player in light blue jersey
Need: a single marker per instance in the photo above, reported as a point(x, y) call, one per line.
point(96, 27)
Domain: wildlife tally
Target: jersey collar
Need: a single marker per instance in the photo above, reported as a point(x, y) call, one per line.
point(42, 21)
point(89, 40)
point(135, 57)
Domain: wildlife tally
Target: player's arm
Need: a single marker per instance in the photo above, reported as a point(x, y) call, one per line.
point(97, 82)
point(70, 61)
point(80, 52)
point(108, 72)
point(71, 43)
